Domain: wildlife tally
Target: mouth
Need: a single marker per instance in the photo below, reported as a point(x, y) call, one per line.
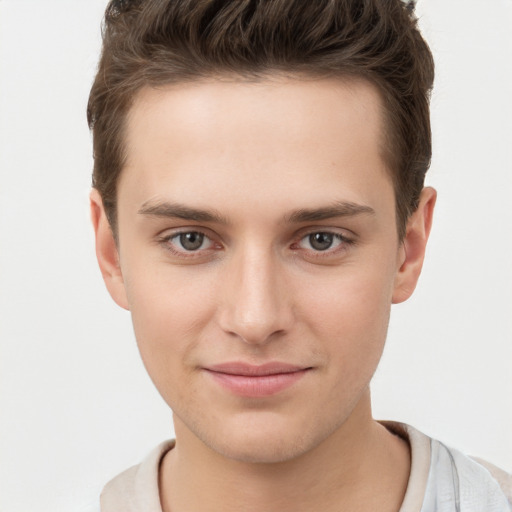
point(255, 381)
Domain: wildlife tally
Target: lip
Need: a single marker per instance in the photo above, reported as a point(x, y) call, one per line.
point(255, 381)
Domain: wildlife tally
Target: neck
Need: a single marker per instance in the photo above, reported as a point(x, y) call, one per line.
point(360, 466)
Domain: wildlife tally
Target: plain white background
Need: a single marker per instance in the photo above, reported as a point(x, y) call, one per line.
point(76, 405)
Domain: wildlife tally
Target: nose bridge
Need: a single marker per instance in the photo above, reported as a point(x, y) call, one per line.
point(255, 305)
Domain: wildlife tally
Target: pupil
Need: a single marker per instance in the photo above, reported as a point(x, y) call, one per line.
point(191, 241)
point(321, 241)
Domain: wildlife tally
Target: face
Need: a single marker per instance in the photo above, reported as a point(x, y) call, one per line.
point(258, 255)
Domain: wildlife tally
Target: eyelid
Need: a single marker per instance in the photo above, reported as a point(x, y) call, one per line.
point(346, 237)
point(177, 239)
point(346, 241)
point(336, 240)
point(344, 233)
point(165, 237)
point(173, 231)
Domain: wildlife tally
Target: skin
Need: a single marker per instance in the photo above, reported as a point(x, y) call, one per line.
point(255, 157)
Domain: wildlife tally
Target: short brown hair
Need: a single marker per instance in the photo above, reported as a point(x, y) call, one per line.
point(158, 42)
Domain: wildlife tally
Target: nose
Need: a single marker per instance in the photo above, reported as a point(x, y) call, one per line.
point(256, 305)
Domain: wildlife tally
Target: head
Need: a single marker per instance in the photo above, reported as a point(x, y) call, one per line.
point(258, 206)
point(163, 42)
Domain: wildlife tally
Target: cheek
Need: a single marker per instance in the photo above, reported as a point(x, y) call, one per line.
point(168, 313)
point(354, 299)
point(165, 300)
point(351, 314)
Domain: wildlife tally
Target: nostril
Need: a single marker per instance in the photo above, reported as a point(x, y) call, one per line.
point(260, 334)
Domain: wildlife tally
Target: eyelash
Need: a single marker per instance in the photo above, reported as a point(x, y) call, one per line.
point(344, 243)
point(166, 242)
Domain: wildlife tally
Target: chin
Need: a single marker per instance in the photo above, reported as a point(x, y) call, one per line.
point(260, 450)
point(266, 440)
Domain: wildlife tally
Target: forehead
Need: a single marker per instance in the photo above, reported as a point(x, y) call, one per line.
point(255, 108)
point(271, 139)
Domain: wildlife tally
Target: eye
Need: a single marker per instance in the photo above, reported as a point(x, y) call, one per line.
point(321, 241)
point(190, 246)
point(187, 242)
point(191, 241)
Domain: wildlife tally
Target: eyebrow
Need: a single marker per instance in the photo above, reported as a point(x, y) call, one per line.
point(180, 211)
point(338, 209)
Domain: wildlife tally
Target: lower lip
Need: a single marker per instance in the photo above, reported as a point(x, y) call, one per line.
point(257, 386)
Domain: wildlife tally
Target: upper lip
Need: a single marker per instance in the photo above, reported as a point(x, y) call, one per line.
point(255, 370)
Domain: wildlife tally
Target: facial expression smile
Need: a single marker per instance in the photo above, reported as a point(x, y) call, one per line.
point(256, 380)
point(259, 257)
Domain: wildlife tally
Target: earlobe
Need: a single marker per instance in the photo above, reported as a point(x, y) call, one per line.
point(412, 251)
point(106, 251)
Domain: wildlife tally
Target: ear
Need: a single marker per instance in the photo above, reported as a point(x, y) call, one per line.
point(106, 251)
point(414, 245)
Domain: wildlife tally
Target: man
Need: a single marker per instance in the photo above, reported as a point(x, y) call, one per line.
point(258, 205)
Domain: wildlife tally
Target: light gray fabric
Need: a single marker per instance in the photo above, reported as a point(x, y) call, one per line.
point(420, 464)
point(458, 484)
point(441, 480)
point(504, 479)
point(136, 489)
